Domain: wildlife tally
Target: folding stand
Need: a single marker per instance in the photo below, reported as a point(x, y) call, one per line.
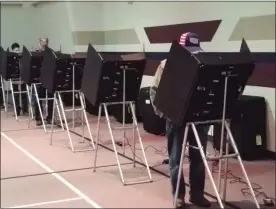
point(46, 99)
point(58, 102)
point(108, 83)
point(208, 90)
point(58, 77)
point(19, 83)
point(3, 93)
point(11, 73)
point(1, 79)
point(30, 66)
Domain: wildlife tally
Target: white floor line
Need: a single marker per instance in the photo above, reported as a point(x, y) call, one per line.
point(57, 176)
point(47, 203)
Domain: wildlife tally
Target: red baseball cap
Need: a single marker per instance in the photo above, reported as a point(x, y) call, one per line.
point(191, 42)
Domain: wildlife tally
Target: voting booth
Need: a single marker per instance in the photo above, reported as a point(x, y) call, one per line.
point(113, 82)
point(205, 89)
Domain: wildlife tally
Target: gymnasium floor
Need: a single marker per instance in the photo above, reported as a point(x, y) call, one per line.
point(35, 174)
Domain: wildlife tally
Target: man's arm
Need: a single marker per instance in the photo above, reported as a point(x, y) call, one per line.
point(155, 84)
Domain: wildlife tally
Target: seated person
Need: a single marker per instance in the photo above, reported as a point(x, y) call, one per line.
point(175, 137)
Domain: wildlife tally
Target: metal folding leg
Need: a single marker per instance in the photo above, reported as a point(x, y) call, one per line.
point(58, 102)
point(19, 83)
point(38, 100)
point(3, 94)
point(29, 94)
point(204, 158)
point(234, 146)
point(134, 127)
point(13, 99)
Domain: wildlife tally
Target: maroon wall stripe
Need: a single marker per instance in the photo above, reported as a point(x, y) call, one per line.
point(166, 34)
point(264, 75)
point(151, 67)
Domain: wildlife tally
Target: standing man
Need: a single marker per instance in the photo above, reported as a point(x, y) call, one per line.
point(2, 105)
point(42, 44)
point(15, 47)
point(175, 136)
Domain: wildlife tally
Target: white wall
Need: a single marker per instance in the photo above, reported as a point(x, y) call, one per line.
point(86, 16)
point(17, 25)
point(121, 15)
point(26, 25)
point(57, 21)
point(53, 22)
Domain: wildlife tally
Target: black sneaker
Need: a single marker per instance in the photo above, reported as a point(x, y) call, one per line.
point(25, 112)
point(39, 123)
point(18, 111)
point(180, 204)
point(200, 201)
point(49, 120)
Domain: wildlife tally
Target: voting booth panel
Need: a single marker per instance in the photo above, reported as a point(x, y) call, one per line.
point(117, 110)
point(11, 70)
point(193, 92)
point(78, 64)
point(48, 70)
point(1, 59)
point(55, 71)
point(30, 65)
point(114, 82)
point(103, 80)
point(61, 75)
point(9, 64)
point(186, 79)
point(91, 75)
point(2, 93)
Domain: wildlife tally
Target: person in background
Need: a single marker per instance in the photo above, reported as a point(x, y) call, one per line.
point(42, 44)
point(1, 98)
point(175, 136)
point(15, 47)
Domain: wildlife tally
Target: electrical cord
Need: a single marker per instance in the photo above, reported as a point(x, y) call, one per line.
point(162, 151)
point(230, 176)
point(235, 179)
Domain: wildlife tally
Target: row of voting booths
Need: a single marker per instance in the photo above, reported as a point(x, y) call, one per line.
point(109, 83)
point(195, 89)
point(10, 72)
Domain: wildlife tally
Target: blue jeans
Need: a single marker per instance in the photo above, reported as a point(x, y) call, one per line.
point(175, 135)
